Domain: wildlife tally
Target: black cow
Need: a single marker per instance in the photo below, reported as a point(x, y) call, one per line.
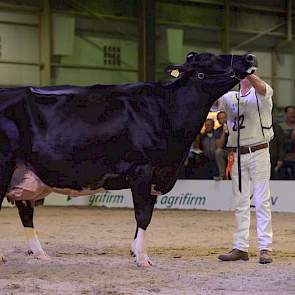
point(113, 136)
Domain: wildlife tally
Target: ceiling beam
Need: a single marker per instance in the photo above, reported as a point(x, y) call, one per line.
point(234, 4)
point(20, 8)
point(261, 34)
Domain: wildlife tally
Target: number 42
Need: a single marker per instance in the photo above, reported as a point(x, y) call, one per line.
point(241, 123)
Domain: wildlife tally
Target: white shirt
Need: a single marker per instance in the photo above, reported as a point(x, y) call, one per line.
point(251, 131)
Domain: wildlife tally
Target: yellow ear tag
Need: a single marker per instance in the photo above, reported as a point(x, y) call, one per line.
point(174, 73)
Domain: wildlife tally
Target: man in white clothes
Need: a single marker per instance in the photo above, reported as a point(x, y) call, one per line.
point(255, 107)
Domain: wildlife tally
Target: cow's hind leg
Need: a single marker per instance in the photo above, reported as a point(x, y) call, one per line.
point(132, 250)
point(143, 205)
point(6, 170)
point(26, 213)
point(9, 139)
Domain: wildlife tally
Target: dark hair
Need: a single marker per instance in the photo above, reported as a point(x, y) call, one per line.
point(209, 119)
point(289, 107)
point(220, 112)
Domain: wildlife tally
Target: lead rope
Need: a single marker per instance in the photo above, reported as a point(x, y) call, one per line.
point(238, 143)
point(231, 65)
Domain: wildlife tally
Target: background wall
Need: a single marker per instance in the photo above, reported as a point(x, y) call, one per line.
point(97, 41)
point(19, 48)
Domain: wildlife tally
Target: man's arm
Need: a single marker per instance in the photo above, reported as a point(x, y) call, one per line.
point(258, 84)
point(221, 140)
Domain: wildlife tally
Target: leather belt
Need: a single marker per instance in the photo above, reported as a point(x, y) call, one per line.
point(248, 149)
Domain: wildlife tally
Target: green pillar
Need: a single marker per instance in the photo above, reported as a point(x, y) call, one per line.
point(225, 28)
point(147, 39)
point(45, 44)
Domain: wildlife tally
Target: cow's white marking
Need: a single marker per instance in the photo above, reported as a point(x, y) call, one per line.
point(34, 244)
point(138, 248)
point(42, 255)
point(251, 69)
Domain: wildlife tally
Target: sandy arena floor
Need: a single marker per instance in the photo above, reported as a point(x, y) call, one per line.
point(90, 254)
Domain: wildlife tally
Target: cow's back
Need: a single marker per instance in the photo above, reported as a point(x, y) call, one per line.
point(79, 136)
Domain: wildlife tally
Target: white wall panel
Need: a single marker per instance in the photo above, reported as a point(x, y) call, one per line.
point(285, 88)
point(19, 43)
point(63, 32)
point(90, 52)
point(174, 45)
point(14, 75)
point(285, 93)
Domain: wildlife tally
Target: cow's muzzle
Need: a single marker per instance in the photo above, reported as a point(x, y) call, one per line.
point(251, 59)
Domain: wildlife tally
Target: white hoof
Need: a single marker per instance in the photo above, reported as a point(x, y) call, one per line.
point(133, 248)
point(138, 250)
point(41, 255)
point(142, 260)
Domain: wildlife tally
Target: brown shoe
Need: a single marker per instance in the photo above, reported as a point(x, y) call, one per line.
point(233, 255)
point(265, 257)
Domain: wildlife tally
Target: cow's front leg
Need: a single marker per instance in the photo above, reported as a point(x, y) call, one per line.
point(143, 206)
point(26, 213)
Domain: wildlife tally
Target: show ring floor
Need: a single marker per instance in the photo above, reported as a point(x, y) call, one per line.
point(90, 254)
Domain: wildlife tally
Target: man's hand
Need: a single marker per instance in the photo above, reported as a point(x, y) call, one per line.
point(225, 128)
point(257, 83)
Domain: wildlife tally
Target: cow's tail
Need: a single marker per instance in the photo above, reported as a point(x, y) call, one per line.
point(9, 142)
point(6, 171)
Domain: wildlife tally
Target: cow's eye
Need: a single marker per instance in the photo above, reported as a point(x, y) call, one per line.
point(190, 58)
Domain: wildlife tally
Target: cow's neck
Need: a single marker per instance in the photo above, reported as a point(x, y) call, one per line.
point(189, 106)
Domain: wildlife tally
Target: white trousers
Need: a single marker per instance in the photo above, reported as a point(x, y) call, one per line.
point(255, 168)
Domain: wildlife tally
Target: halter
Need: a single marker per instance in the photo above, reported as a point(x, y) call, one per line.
point(231, 73)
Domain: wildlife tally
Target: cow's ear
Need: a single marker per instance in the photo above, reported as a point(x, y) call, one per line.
point(174, 70)
point(191, 56)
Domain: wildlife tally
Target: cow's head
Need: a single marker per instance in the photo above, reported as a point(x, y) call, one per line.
point(218, 72)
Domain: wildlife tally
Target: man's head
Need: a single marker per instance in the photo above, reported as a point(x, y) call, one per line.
point(209, 125)
point(290, 114)
point(221, 117)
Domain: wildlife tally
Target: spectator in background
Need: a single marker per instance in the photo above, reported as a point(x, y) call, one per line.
point(193, 166)
point(277, 153)
point(221, 137)
point(288, 127)
point(208, 146)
